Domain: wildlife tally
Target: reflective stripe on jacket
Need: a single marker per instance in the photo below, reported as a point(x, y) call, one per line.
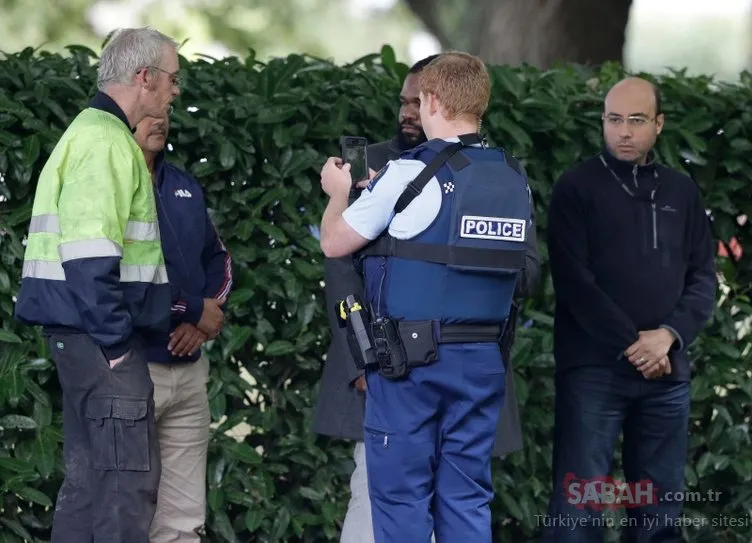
point(93, 260)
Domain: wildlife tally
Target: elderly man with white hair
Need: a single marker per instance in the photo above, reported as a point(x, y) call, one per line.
point(94, 278)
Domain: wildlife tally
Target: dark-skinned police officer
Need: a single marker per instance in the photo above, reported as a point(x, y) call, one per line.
point(441, 232)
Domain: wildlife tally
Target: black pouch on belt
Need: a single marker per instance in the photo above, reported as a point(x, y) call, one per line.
point(419, 342)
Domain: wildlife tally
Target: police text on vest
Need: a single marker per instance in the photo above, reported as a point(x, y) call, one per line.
point(494, 228)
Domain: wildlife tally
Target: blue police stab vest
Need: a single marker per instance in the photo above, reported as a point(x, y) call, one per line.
point(464, 267)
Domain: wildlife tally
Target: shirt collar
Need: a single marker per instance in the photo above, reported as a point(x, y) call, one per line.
point(104, 102)
point(394, 147)
point(159, 166)
point(625, 167)
point(456, 139)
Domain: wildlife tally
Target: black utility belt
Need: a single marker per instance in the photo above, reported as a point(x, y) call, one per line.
point(397, 346)
point(470, 333)
point(409, 344)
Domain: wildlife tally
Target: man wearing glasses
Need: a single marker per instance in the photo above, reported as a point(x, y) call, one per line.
point(633, 268)
point(94, 279)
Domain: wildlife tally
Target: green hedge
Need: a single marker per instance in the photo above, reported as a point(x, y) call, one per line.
point(256, 142)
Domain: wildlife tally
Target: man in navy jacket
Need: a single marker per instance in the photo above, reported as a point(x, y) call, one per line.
point(633, 266)
point(199, 270)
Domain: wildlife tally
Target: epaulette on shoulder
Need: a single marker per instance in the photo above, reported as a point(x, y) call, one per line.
point(514, 163)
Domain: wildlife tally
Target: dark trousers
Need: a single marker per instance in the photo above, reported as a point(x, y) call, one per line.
point(112, 465)
point(593, 405)
point(429, 440)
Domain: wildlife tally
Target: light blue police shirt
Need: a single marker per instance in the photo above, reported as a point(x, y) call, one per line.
point(373, 211)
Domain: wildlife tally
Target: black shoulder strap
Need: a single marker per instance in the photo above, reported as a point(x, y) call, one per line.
point(514, 164)
point(417, 185)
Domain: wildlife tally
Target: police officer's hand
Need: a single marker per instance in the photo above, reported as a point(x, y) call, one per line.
point(335, 177)
point(212, 318)
point(186, 339)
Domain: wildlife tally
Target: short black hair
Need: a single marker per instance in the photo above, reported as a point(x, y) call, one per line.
point(422, 63)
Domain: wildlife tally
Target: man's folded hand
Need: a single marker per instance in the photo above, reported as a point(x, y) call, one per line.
point(186, 339)
point(212, 317)
point(649, 354)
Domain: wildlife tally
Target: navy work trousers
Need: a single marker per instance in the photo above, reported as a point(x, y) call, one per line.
point(593, 405)
point(429, 440)
point(111, 451)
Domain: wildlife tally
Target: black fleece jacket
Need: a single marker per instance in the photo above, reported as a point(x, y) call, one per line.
point(623, 263)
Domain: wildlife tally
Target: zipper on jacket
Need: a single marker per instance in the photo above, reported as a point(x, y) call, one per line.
point(652, 207)
point(174, 234)
point(655, 220)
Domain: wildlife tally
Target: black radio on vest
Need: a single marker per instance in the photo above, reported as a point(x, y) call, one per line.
point(390, 353)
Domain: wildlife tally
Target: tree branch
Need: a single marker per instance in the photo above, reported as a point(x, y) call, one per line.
point(427, 12)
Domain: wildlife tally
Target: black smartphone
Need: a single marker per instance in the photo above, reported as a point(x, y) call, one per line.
point(354, 153)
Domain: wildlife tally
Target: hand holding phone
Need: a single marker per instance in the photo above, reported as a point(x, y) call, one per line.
point(354, 154)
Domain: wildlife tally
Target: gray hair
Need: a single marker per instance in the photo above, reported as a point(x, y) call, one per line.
point(129, 50)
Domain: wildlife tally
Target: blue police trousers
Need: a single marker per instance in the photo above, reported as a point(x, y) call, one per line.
point(429, 440)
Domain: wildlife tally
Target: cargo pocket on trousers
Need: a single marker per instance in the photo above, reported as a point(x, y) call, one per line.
point(382, 461)
point(397, 469)
point(119, 432)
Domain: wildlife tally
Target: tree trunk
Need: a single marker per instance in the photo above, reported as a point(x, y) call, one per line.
point(537, 32)
point(542, 32)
